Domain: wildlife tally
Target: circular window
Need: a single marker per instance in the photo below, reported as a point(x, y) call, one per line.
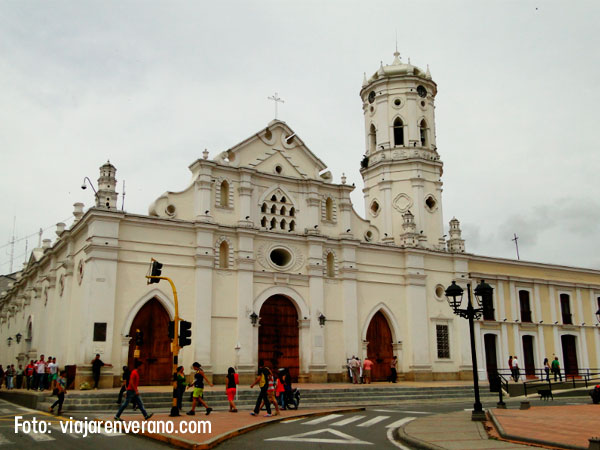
point(375, 207)
point(421, 91)
point(368, 236)
point(280, 257)
point(423, 104)
point(371, 96)
point(278, 169)
point(439, 292)
point(170, 210)
point(372, 109)
point(397, 102)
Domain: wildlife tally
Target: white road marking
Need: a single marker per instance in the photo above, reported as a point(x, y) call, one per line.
point(322, 419)
point(373, 421)
point(390, 437)
point(346, 421)
point(399, 423)
point(292, 420)
point(342, 438)
point(40, 437)
point(400, 411)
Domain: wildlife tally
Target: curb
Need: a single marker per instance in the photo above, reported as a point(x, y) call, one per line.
point(211, 443)
point(522, 439)
point(400, 435)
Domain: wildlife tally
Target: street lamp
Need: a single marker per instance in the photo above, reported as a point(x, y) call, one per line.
point(483, 295)
point(9, 341)
point(18, 336)
point(254, 318)
point(322, 319)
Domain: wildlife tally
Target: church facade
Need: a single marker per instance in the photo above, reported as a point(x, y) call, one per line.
point(271, 262)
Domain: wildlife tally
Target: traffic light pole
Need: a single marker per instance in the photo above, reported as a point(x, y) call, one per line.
point(174, 345)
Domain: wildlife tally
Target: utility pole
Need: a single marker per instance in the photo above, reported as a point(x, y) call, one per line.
point(516, 238)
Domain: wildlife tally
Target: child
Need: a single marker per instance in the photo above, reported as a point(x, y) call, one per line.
point(198, 390)
point(231, 387)
point(61, 386)
point(271, 392)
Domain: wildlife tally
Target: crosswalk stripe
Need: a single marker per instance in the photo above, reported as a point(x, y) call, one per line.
point(373, 421)
point(399, 423)
point(322, 419)
point(40, 437)
point(347, 421)
point(291, 420)
point(4, 440)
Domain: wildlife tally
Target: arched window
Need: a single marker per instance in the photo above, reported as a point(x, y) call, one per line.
point(282, 211)
point(273, 223)
point(224, 194)
point(273, 198)
point(292, 225)
point(423, 132)
point(283, 200)
point(263, 208)
point(263, 222)
point(372, 139)
point(328, 209)
point(282, 224)
point(398, 132)
point(273, 209)
point(292, 211)
point(330, 265)
point(224, 255)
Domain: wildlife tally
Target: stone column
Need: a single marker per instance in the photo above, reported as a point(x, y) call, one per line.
point(247, 334)
point(203, 194)
point(245, 209)
point(317, 368)
point(348, 271)
point(202, 323)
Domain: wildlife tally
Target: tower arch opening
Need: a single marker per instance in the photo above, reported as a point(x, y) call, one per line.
point(398, 132)
point(372, 139)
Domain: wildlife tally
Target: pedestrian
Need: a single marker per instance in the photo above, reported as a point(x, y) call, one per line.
point(280, 389)
point(394, 369)
point(349, 366)
point(231, 388)
point(47, 373)
point(367, 366)
point(355, 366)
point(556, 368)
point(595, 394)
point(96, 366)
point(53, 372)
point(133, 395)
point(271, 392)
point(287, 388)
point(29, 374)
point(510, 366)
point(360, 371)
point(1, 375)
point(547, 369)
point(516, 369)
point(40, 370)
point(61, 390)
point(181, 386)
point(124, 382)
point(263, 383)
point(20, 376)
point(10, 375)
point(198, 393)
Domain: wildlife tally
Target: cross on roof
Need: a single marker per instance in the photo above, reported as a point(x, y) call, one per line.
point(276, 100)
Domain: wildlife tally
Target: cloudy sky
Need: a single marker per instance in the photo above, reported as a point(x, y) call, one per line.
point(150, 84)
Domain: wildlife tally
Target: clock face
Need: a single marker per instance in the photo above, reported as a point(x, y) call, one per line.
point(422, 91)
point(371, 96)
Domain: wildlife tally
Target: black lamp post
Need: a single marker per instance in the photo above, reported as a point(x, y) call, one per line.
point(253, 318)
point(483, 295)
point(322, 319)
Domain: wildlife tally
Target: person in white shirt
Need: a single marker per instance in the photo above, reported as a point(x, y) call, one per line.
point(53, 369)
point(516, 369)
point(40, 370)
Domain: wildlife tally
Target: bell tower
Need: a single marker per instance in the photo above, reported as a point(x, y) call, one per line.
point(401, 168)
point(107, 183)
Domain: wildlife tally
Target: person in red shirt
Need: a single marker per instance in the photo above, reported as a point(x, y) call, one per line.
point(133, 395)
point(29, 374)
point(367, 366)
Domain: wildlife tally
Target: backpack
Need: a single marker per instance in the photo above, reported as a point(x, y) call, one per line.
point(262, 381)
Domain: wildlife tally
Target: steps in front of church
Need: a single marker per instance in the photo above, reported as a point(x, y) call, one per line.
point(366, 396)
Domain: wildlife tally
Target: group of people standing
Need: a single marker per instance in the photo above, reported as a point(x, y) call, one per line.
point(554, 368)
point(360, 373)
point(38, 375)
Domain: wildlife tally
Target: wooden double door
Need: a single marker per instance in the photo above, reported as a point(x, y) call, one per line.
point(380, 350)
point(155, 352)
point(278, 335)
point(569, 348)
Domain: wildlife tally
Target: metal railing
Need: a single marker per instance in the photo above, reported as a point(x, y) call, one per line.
point(584, 374)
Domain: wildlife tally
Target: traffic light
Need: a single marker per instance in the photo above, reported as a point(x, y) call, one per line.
point(155, 272)
point(171, 330)
point(185, 333)
point(139, 338)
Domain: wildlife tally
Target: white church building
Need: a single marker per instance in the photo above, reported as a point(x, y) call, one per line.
point(271, 262)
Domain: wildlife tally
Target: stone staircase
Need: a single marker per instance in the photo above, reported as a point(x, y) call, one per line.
point(364, 396)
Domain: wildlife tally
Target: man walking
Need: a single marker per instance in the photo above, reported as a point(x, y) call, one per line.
point(96, 366)
point(40, 370)
point(516, 372)
point(263, 384)
point(556, 368)
point(355, 367)
point(133, 394)
point(29, 374)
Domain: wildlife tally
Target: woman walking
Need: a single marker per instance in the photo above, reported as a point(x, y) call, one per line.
point(393, 369)
point(61, 388)
point(232, 382)
point(547, 369)
point(181, 386)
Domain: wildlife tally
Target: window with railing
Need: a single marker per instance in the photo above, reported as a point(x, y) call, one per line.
point(443, 341)
point(525, 306)
point(565, 308)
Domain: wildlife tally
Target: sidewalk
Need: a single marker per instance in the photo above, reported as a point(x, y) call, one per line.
point(224, 425)
point(556, 427)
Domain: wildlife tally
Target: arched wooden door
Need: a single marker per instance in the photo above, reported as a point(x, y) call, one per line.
point(491, 358)
point(569, 348)
point(379, 349)
point(155, 351)
point(278, 335)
